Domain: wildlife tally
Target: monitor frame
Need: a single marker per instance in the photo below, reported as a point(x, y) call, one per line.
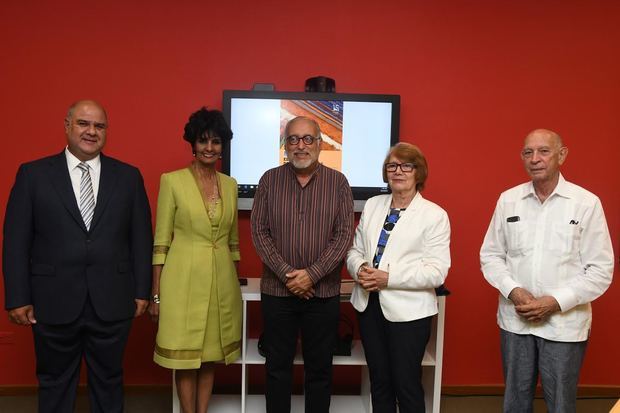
point(360, 194)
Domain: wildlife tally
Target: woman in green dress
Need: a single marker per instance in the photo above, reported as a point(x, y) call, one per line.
point(196, 295)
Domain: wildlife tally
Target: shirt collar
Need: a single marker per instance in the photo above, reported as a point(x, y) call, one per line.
point(314, 173)
point(73, 161)
point(561, 189)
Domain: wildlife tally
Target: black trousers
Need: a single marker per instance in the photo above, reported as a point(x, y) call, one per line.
point(284, 318)
point(59, 350)
point(394, 352)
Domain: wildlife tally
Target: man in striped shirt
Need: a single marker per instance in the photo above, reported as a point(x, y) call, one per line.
point(302, 228)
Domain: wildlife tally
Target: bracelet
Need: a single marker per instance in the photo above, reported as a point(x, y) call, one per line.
point(155, 298)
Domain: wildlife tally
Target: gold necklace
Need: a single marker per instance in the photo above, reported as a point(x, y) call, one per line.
point(205, 181)
point(213, 201)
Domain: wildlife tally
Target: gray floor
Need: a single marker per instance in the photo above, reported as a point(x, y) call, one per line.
point(161, 401)
point(488, 404)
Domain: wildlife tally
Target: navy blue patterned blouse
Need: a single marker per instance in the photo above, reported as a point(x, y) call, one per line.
point(388, 226)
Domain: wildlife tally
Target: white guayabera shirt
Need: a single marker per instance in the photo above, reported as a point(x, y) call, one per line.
point(560, 248)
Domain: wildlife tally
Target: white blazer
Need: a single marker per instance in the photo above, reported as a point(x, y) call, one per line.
point(416, 257)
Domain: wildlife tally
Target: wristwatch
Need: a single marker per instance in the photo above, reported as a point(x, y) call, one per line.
point(155, 298)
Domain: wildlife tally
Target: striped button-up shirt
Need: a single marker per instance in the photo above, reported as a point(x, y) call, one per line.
point(295, 227)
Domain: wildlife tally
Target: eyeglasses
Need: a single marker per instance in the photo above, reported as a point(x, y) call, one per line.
point(405, 167)
point(307, 139)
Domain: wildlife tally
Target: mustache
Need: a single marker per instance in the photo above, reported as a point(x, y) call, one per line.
point(301, 153)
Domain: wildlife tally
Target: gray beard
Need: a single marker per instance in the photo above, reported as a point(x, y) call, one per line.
point(301, 164)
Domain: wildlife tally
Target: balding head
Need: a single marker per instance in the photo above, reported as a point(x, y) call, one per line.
point(80, 103)
point(85, 125)
point(553, 138)
point(543, 153)
point(314, 123)
point(303, 157)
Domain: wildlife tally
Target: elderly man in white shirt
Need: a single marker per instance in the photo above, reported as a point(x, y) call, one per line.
point(548, 252)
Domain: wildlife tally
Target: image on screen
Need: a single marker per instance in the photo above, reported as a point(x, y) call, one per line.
point(356, 135)
point(328, 114)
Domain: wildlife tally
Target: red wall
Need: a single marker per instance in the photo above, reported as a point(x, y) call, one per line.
point(474, 76)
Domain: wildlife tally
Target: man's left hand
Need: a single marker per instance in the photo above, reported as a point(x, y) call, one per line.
point(538, 309)
point(141, 306)
point(300, 283)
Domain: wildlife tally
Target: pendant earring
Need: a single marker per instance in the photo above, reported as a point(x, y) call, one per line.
point(194, 154)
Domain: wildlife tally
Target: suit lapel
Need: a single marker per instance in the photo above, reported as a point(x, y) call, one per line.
point(404, 222)
point(107, 182)
point(227, 196)
point(407, 216)
point(376, 223)
point(61, 181)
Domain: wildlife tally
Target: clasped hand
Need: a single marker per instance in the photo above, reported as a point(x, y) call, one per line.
point(531, 308)
point(372, 279)
point(300, 284)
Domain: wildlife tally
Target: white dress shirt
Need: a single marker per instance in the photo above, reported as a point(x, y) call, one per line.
point(560, 248)
point(76, 173)
point(416, 257)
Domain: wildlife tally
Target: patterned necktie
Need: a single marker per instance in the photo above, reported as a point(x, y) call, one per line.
point(87, 197)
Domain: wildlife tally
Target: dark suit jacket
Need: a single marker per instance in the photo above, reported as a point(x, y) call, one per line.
point(51, 261)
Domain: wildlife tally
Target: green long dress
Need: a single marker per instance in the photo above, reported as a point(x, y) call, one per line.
point(200, 309)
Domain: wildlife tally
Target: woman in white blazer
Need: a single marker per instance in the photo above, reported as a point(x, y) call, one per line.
point(400, 254)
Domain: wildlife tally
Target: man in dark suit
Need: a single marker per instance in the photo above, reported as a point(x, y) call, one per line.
point(76, 262)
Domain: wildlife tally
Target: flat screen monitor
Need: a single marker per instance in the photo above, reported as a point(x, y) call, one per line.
point(356, 130)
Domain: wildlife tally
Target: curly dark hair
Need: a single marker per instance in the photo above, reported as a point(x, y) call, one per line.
point(207, 122)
